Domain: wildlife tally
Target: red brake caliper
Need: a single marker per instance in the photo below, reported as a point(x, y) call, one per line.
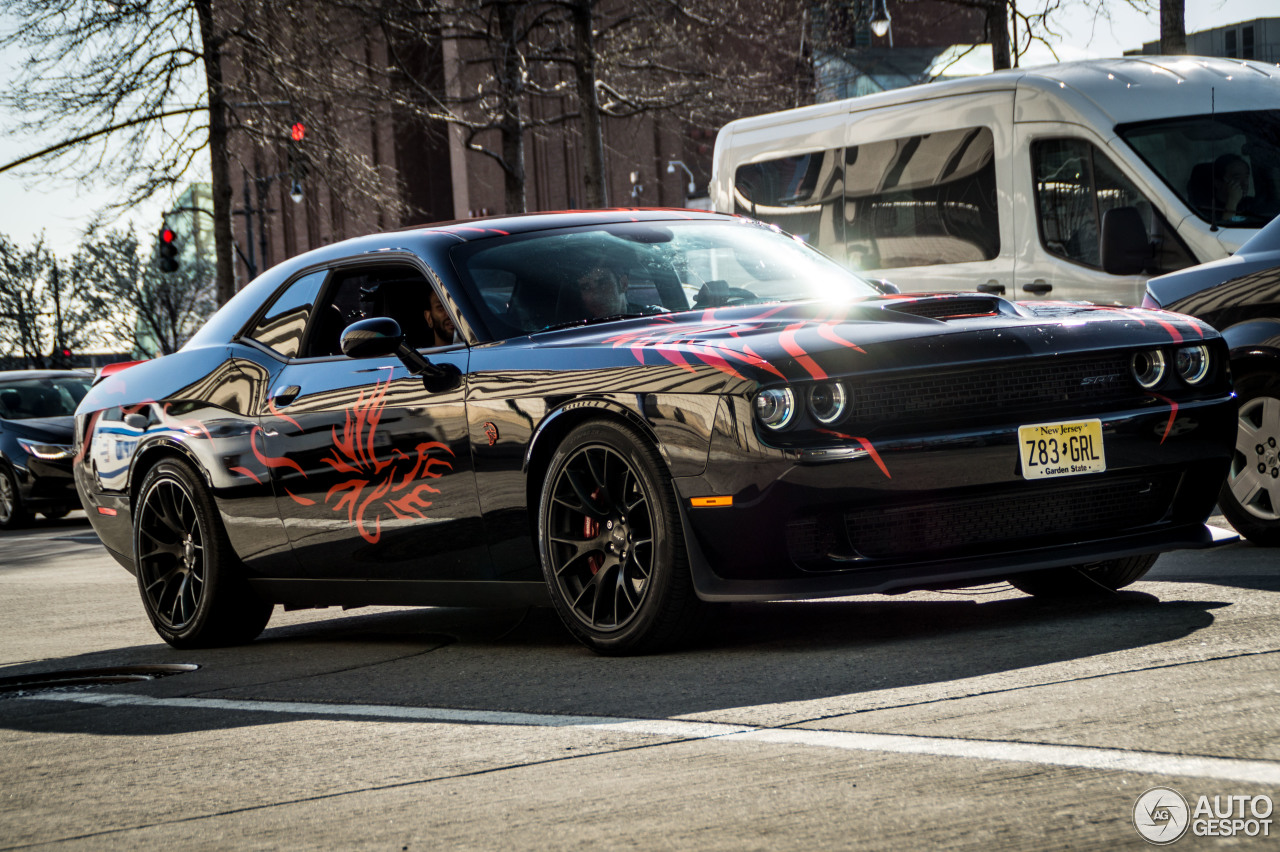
point(591, 529)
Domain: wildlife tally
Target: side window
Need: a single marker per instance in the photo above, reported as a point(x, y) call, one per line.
point(922, 200)
point(802, 195)
point(393, 290)
point(282, 327)
point(1075, 185)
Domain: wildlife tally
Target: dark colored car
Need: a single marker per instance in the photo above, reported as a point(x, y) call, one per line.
point(638, 412)
point(36, 431)
point(1240, 296)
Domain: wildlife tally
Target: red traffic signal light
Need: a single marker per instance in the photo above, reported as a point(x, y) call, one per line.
point(168, 250)
point(298, 131)
point(66, 353)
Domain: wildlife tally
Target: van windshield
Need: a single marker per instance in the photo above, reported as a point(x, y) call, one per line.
point(1225, 166)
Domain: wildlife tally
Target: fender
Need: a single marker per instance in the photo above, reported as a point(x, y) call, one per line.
point(1254, 345)
point(576, 407)
point(162, 444)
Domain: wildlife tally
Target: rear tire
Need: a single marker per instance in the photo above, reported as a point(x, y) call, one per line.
point(1250, 498)
point(611, 543)
point(192, 584)
point(1078, 581)
point(12, 513)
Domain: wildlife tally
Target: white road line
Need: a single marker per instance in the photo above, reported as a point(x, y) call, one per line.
point(1264, 772)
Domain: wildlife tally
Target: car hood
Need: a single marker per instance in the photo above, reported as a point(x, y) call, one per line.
point(48, 430)
point(813, 340)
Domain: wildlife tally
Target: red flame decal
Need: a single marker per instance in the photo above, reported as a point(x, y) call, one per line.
point(1173, 413)
point(866, 445)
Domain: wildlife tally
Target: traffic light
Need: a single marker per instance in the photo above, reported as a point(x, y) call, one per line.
point(297, 159)
point(168, 250)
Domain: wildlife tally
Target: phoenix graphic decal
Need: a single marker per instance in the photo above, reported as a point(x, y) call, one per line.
point(372, 488)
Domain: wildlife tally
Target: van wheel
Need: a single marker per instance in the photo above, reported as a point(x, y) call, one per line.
point(1077, 581)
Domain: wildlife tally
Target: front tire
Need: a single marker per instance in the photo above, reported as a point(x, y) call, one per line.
point(611, 543)
point(192, 583)
point(1079, 581)
point(12, 513)
point(1250, 498)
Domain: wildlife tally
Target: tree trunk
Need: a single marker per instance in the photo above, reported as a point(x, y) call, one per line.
point(512, 124)
point(1173, 27)
point(998, 33)
point(584, 68)
point(223, 241)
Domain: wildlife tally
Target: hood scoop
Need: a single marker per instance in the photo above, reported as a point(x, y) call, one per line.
point(948, 307)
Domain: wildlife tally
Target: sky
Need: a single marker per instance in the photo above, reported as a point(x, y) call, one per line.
point(59, 209)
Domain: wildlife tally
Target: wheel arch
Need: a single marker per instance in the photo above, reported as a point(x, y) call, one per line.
point(1254, 345)
point(558, 424)
point(155, 452)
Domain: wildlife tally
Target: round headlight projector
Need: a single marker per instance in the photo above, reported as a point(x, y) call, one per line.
point(775, 407)
point(828, 402)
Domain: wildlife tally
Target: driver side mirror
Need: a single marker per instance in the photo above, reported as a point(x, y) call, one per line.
point(1125, 247)
point(378, 337)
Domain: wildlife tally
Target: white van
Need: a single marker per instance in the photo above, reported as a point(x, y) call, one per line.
point(1071, 181)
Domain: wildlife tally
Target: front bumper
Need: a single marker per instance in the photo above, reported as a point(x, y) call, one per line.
point(947, 509)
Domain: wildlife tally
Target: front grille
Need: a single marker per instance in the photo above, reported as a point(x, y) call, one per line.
point(996, 389)
point(947, 307)
point(1040, 514)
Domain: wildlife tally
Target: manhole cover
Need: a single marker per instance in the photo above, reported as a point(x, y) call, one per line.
point(91, 677)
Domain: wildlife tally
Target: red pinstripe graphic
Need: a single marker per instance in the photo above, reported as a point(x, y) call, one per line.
point(866, 445)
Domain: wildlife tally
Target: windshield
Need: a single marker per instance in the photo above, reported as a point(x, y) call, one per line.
point(551, 279)
point(27, 399)
point(1225, 166)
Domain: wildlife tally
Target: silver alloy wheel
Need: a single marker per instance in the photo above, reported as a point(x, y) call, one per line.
point(8, 497)
point(1255, 470)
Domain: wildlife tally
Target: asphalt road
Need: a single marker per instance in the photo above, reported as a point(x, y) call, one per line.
point(971, 720)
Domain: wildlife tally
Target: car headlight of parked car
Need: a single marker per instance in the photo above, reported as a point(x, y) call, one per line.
point(48, 451)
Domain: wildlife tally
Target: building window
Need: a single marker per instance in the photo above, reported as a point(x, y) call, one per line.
point(1230, 37)
point(1246, 42)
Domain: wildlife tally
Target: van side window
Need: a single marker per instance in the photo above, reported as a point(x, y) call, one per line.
point(1075, 184)
point(922, 200)
point(802, 195)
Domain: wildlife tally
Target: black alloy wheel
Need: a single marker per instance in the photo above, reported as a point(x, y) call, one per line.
point(611, 543)
point(12, 513)
point(1250, 498)
point(192, 585)
point(1081, 581)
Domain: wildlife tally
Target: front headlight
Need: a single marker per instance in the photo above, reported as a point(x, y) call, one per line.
point(828, 402)
point(775, 407)
point(1192, 363)
point(1148, 368)
point(48, 451)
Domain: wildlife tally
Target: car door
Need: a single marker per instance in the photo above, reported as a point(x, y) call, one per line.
point(371, 466)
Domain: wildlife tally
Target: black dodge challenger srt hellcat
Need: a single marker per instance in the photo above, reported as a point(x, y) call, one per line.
point(631, 413)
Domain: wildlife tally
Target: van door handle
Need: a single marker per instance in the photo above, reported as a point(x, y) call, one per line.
point(1038, 287)
point(994, 287)
point(284, 396)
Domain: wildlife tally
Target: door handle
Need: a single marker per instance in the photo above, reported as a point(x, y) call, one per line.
point(994, 287)
point(284, 396)
point(1038, 287)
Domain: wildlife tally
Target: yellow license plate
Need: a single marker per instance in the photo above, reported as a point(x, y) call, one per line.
point(1061, 449)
